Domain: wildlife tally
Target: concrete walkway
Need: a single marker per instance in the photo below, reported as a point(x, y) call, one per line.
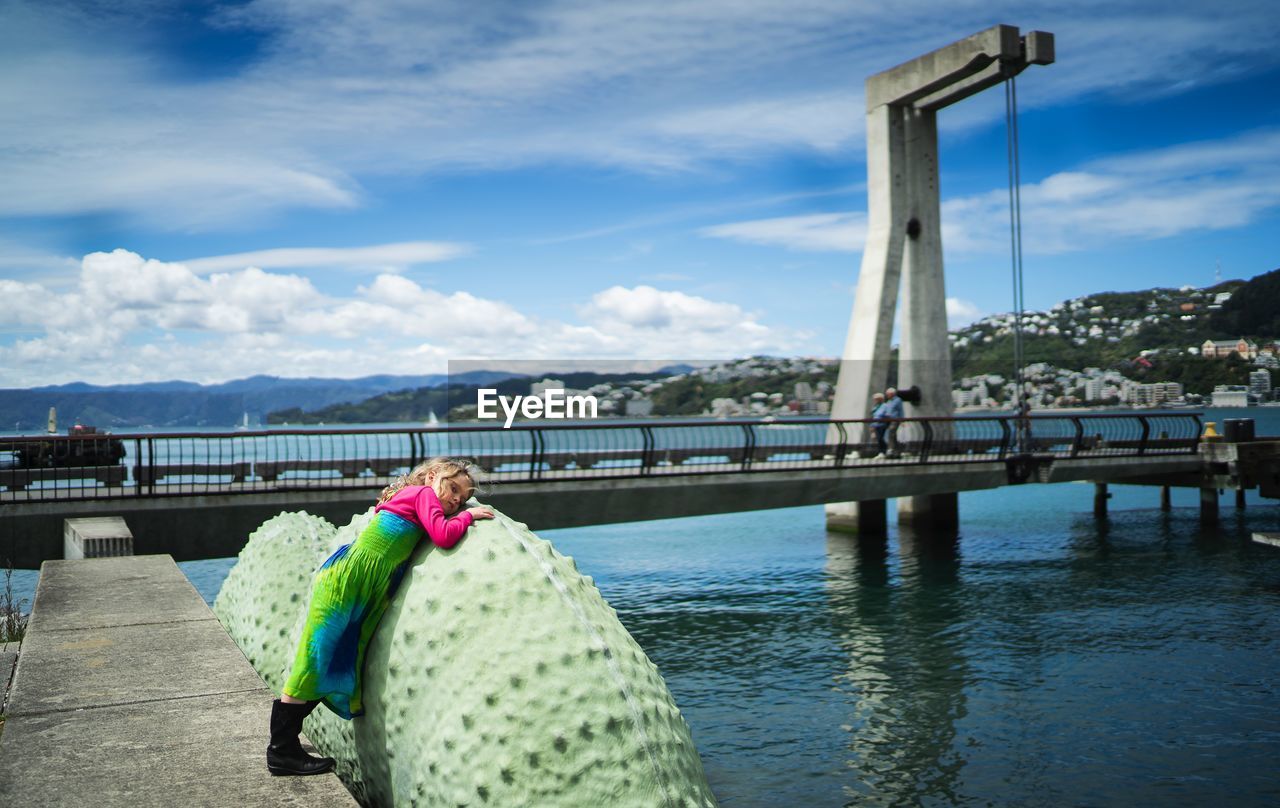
point(128, 692)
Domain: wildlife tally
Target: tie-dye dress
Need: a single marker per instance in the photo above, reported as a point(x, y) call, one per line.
point(352, 590)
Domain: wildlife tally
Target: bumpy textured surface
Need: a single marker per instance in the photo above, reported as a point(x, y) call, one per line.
point(270, 586)
point(499, 676)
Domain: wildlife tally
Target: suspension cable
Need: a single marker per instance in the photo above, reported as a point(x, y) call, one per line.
point(1015, 242)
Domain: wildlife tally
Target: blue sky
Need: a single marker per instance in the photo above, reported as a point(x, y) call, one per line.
point(210, 190)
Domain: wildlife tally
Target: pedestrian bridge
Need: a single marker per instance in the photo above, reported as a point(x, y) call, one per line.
point(199, 494)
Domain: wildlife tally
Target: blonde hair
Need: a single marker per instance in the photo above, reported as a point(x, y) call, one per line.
point(437, 468)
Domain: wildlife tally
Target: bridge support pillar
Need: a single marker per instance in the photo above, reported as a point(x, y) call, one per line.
point(1208, 503)
point(867, 518)
point(903, 248)
point(1100, 497)
point(1240, 499)
point(1166, 502)
point(930, 512)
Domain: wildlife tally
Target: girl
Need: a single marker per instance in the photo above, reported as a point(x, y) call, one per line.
point(352, 589)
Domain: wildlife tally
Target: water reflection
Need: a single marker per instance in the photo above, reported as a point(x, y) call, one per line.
point(903, 632)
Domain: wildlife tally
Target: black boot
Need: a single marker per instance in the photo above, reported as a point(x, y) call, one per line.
point(285, 754)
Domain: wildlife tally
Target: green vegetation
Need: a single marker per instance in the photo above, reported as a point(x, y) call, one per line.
point(402, 405)
point(13, 624)
point(693, 395)
point(1198, 375)
point(1254, 311)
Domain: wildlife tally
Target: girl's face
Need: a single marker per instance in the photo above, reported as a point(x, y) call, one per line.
point(452, 491)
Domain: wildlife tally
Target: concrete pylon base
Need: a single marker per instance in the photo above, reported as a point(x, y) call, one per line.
point(866, 518)
point(930, 512)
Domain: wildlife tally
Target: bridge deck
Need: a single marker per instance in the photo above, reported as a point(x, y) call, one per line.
point(193, 479)
point(216, 523)
point(128, 692)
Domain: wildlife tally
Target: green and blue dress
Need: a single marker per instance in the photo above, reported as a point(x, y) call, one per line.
point(352, 590)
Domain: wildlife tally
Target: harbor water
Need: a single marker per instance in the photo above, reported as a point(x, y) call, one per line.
point(1042, 658)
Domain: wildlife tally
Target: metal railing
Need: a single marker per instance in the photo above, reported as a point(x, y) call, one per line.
point(146, 465)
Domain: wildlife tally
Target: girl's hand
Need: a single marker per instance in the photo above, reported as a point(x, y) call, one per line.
point(480, 512)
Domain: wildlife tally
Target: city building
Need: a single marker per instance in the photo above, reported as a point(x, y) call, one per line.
point(538, 388)
point(1221, 349)
point(1150, 395)
point(1260, 383)
point(1231, 395)
point(639, 406)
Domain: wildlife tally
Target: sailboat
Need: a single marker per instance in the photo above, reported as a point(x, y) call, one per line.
point(244, 424)
point(432, 420)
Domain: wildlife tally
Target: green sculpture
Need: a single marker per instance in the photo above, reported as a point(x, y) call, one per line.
point(498, 676)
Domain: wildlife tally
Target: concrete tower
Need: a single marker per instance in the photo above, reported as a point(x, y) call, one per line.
point(904, 242)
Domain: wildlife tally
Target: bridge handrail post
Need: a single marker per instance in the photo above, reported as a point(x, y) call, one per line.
point(536, 453)
point(1005, 434)
point(151, 467)
point(1195, 444)
point(926, 444)
point(843, 446)
point(415, 449)
point(647, 453)
point(1078, 442)
point(749, 446)
point(137, 466)
point(1146, 433)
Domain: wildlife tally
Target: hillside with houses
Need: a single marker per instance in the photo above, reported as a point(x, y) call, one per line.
point(1157, 346)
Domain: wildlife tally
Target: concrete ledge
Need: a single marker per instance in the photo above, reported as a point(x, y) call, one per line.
point(121, 591)
point(99, 667)
point(128, 692)
point(205, 751)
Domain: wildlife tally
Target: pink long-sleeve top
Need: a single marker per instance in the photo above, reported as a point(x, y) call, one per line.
point(420, 505)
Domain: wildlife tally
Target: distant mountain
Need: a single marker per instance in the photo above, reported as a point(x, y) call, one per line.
point(28, 410)
point(419, 404)
point(84, 387)
point(675, 370)
point(183, 403)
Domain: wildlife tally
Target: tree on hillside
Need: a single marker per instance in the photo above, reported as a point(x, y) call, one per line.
point(1254, 309)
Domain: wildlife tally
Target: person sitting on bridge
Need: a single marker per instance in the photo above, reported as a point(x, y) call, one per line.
point(887, 417)
point(350, 594)
point(877, 401)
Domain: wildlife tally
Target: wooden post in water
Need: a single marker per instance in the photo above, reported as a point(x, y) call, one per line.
point(1240, 499)
point(1100, 497)
point(1166, 503)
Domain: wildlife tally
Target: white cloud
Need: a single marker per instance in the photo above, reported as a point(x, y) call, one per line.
point(139, 319)
point(337, 93)
point(647, 307)
point(961, 312)
point(1213, 185)
point(375, 257)
point(817, 232)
